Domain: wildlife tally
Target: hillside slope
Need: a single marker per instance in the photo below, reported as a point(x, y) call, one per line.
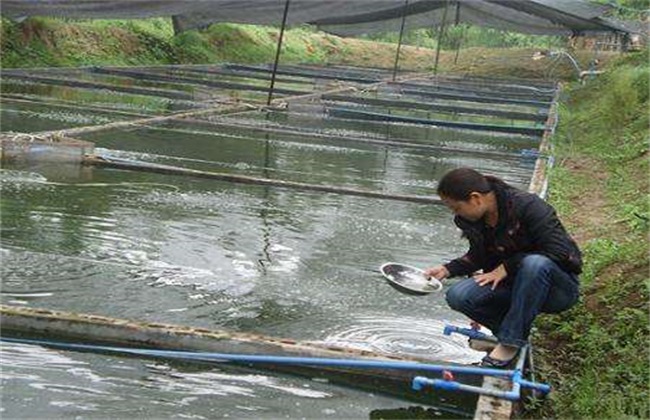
point(44, 42)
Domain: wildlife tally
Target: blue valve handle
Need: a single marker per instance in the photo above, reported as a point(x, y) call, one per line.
point(469, 332)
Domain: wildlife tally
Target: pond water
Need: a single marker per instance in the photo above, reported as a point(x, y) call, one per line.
point(279, 262)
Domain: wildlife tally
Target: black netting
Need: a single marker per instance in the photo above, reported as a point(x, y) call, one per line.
point(344, 17)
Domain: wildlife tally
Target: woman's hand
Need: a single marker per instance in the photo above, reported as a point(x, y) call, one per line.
point(494, 277)
point(439, 272)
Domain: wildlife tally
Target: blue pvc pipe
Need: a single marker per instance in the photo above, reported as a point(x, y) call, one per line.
point(517, 379)
point(537, 386)
point(518, 382)
point(420, 382)
point(265, 359)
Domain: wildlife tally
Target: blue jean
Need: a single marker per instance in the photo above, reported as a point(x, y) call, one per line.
point(539, 285)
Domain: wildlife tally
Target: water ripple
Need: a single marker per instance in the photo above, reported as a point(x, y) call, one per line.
point(402, 336)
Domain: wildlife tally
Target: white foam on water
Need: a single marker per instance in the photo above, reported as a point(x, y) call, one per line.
point(63, 116)
point(284, 259)
point(222, 384)
point(21, 180)
point(402, 336)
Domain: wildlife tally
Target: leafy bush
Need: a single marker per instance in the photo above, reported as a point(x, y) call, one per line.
point(191, 47)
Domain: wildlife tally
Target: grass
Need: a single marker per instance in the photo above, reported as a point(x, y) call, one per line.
point(596, 354)
point(48, 42)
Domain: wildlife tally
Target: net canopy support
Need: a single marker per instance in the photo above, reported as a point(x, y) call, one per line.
point(277, 52)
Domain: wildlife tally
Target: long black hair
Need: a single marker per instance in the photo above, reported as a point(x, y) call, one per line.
point(459, 183)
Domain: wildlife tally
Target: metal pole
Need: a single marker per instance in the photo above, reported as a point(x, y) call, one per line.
point(176, 24)
point(399, 42)
point(277, 52)
point(463, 33)
point(442, 27)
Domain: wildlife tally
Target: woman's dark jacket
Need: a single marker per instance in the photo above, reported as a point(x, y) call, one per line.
point(526, 225)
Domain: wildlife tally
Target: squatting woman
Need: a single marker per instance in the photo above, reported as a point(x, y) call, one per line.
point(521, 260)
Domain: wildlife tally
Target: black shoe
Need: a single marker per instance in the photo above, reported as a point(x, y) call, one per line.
point(491, 362)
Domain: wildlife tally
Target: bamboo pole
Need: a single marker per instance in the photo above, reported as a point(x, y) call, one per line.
point(539, 181)
point(242, 179)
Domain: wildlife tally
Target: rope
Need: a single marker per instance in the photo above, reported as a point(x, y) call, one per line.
point(107, 184)
point(70, 257)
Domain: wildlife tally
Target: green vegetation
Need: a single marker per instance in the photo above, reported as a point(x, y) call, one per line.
point(597, 353)
point(628, 9)
point(467, 36)
point(43, 42)
point(254, 44)
point(49, 42)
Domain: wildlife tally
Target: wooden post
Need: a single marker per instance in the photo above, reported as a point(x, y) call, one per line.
point(244, 179)
point(491, 408)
